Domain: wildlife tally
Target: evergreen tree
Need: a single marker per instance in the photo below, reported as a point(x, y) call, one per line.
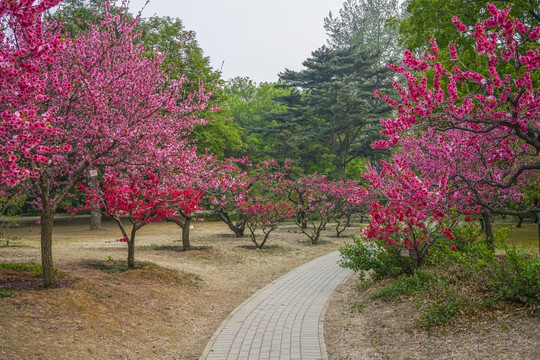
point(332, 112)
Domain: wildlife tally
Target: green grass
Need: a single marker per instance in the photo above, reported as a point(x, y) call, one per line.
point(35, 269)
point(5, 293)
point(525, 237)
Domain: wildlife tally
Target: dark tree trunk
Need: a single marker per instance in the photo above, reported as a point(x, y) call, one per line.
point(520, 222)
point(237, 228)
point(131, 248)
point(47, 221)
point(185, 234)
point(95, 219)
point(488, 228)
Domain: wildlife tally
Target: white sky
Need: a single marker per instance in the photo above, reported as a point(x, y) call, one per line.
point(255, 38)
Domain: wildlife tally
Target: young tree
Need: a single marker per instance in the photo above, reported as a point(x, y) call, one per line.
point(411, 214)
point(314, 205)
point(142, 197)
point(264, 214)
point(185, 205)
point(117, 108)
point(341, 194)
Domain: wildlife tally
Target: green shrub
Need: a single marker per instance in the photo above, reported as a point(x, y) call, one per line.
point(516, 277)
point(442, 311)
point(414, 284)
point(385, 261)
point(5, 293)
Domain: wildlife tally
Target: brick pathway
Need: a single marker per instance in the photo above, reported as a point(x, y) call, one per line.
point(284, 320)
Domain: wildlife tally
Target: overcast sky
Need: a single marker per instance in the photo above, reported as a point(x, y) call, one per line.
point(255, 38)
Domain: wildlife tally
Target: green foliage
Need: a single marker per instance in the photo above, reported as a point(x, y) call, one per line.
point(426, 19)
point(461, 276)
point(76, 15)
point(442, 311)
point(10, 208)
point(516, 277)
point(185, 58)
point(374, 256)
point(252, 106)
point(413, 284)
point(5, 293)
point(367, 24)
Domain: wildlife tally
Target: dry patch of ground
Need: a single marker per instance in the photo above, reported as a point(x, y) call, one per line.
point(164, 311)
point(358, 327)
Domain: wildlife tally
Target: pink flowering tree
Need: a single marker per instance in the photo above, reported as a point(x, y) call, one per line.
point(143, 198)
point(230, 183)
point(185, 205)
point(225, 189)
point(465, 158)
point(410, 214)
point(116, 108)
point(341, 194)
point(25, 113)
point(497, 104)
point(313, 202)
point(265, 215)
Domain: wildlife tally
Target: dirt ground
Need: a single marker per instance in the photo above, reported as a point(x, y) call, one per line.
point(357, 328)
point(171, 310)
point(168, 311)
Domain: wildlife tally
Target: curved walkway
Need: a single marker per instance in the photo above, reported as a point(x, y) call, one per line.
point(284, 320)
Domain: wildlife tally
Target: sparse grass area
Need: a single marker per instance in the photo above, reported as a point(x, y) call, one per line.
point(113, 266)
point(463, 292)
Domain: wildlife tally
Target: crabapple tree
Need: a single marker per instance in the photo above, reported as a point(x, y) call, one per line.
point(496, 106)
point(411, 214)
point(264, 214)
point(116, 108)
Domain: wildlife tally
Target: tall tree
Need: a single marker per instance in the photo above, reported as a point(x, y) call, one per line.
point(185, 58)
point(367, 24)
point(426, 19)
point(116, 107)
point(332, 109)
point(252, 107)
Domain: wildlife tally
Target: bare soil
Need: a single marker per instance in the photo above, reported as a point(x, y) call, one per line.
point(164, 311)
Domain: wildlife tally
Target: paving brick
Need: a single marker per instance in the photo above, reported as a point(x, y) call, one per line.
point(284, 319)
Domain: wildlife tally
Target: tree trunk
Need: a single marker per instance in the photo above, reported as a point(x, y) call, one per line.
point(185, 234)
point(95, 218)
point(95, 214)
point(520, 222)
point(488, 228)
point(419, 257)
point(47, 221)
point(238, 229)
point(131, 249)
